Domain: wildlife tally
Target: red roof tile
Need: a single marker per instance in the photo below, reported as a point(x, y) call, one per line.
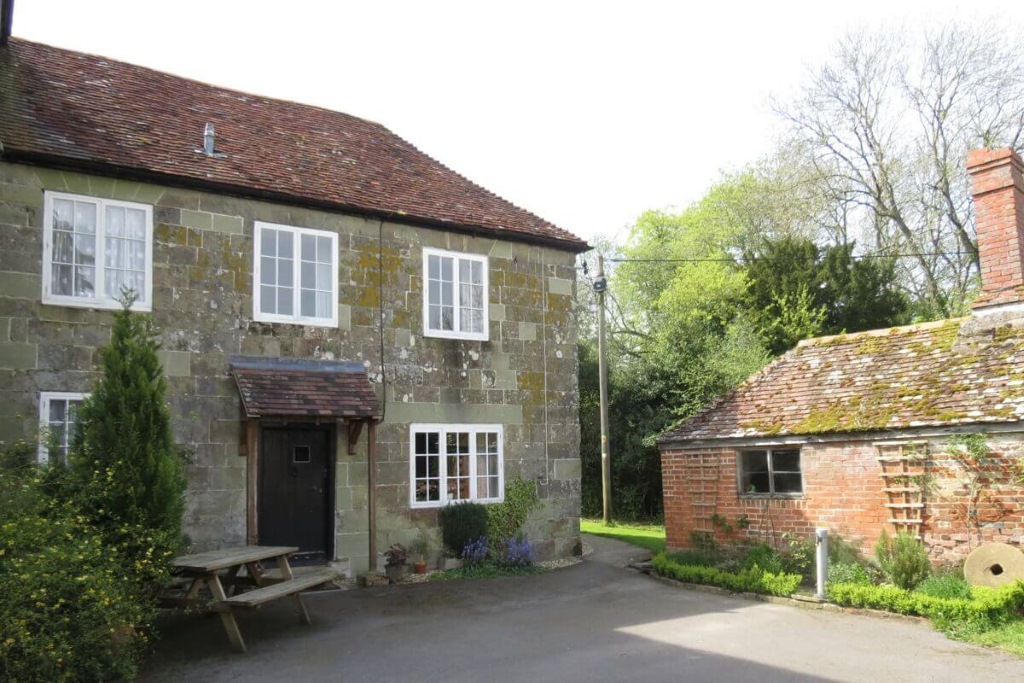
point(285, 386)
point(104, 113)
point(929, 375)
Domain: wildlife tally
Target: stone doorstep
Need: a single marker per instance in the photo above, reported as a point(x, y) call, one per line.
point(803, 602)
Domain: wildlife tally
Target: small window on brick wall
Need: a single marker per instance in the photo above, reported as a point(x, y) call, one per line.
point(770, 471)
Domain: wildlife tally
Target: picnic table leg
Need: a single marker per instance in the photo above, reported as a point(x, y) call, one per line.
point(286, 575)
point(227, 617)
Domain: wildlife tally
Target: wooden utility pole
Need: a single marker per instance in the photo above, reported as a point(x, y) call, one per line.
point(600, 286)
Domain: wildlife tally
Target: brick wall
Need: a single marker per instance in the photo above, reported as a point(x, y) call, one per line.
point(843, 492)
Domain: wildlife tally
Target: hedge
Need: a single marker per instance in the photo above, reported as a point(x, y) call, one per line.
point(990, 607)
point(753, 580)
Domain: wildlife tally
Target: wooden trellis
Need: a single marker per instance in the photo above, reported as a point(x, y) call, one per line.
point(904, 470)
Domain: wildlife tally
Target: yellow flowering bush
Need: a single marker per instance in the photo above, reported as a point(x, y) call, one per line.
point(69, 610)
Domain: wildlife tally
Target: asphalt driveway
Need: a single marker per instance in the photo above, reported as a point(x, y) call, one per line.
point(596, 621)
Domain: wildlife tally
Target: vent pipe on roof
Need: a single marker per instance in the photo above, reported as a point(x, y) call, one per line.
point(209, 142)
point(208, 135)
point(6, 20)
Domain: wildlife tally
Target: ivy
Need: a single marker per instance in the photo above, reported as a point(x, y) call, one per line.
point(506, 519)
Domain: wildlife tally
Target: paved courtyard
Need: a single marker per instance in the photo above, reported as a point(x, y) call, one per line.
point(596, 621)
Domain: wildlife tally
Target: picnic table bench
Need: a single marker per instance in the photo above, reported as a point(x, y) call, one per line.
point(216, 568)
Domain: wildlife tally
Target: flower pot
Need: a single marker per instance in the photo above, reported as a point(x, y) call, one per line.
point(420, 567)
point(396, 572)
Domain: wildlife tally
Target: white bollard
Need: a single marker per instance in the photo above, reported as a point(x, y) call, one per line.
point(821, 541)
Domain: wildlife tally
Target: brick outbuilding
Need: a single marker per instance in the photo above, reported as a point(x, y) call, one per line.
point(914, 428)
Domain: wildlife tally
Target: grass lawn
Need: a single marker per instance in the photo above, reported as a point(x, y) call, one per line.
point(1009, 637)
point(649, 536)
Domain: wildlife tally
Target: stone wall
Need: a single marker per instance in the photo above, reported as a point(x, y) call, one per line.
point(843, 491)
point(524, 377)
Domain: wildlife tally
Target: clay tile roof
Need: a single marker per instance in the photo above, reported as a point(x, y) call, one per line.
point(287, 386)
point(931, 375)
point(99, 114)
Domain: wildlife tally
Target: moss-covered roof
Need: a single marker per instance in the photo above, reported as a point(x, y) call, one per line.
point(929, 375)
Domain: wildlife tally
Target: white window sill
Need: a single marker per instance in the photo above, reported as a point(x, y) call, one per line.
point(108, 305)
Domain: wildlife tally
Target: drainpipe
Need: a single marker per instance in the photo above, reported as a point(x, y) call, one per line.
point(371, 497)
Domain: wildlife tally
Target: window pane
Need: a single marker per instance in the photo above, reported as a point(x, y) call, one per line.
point(788, 483)
point(308, 247)
point(63, 247)
point(85, 250)
point(63, 214)
point(754, 472)
point(420, 443)
point(268, 299)
point(58, 409)
point(308, 303)
point(446, 269)
point(324, 252)
point(307, 275)
point(85, 217)
point(115, 221)
point(285, 305)
point(268, 242)
point(324, 281)
point(323, 305)
point(786, 461)
point(135, 221)
point(433, 442)
point(84, 279)
point(60, 280)
point(285, 272)
point(268, 270)
point(285, 246)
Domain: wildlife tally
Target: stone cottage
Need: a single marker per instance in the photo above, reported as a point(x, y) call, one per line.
point(916, 429)
point(353, 334)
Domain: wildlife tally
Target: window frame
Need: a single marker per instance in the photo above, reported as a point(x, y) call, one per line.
point(297, 318)
point(45, 399)
point(771, 493)
point(99, 300)
point(456, 333)
point(442, 431)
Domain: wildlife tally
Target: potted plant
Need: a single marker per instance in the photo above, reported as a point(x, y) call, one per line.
point(396, 565)
point(420, 549)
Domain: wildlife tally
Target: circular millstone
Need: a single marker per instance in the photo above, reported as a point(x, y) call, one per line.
point(994, 565)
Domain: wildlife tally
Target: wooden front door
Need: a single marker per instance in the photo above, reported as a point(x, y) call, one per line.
point(294, 505)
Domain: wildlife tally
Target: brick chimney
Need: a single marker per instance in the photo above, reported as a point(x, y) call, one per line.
point(997, 183)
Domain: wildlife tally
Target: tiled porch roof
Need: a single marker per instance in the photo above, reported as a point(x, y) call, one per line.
point(308, 388)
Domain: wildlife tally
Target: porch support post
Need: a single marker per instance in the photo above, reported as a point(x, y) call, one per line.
point(252, 460)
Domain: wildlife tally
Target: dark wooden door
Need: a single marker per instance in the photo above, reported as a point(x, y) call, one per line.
point(294, 490)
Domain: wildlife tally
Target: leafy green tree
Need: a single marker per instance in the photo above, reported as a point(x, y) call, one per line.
point(796, 290)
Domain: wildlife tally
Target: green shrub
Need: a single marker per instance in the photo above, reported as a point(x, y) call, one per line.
point(67, 610)
point(753, 580)
point(765, 557)
point(989, 608)
point(461, 524)
point(506, 519)
point(945, 586)
point(903, 559)
point(693, 558)
point(848, 572)
point(799, 556)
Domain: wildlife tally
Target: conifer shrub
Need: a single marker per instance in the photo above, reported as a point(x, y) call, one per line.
point(131, 473)
point(461, 524)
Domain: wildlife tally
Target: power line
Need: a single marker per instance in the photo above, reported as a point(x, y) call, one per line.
point(734, 260)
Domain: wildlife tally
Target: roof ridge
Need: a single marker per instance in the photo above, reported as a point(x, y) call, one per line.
point(881, 332)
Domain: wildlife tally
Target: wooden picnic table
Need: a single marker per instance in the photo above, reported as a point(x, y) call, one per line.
point(217, 568)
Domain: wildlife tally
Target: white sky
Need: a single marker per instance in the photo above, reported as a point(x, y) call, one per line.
point(586, 113)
